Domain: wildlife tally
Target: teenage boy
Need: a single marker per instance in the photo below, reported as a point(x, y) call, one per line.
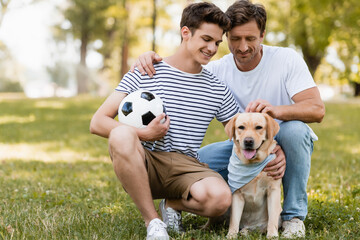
point(276, 81)
point(161, 161)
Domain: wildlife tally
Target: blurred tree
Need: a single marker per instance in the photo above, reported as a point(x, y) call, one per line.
point(124, 42)
point(9, 71)
point(60, 75)
point(158, 19)
point(154, 16)
point(88, 21)
point(115, 39)
point(130, 24)
point(312, 26)
point(347, 39)
point(125, 28)
point(4, 6)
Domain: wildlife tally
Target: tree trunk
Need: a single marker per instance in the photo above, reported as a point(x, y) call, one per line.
point(124, 57)
point(82, 72)
point(313, 61)
point(154, 26)
point(357, 89)
point(110, 45)
point(4, 5)
point(124, 68)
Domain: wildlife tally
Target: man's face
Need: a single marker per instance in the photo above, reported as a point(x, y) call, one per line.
point(204, 43)
point(245, 44)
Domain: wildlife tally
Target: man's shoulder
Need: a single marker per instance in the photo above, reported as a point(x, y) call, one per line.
point(225, 58)
point(279, 51)
point(220, 65)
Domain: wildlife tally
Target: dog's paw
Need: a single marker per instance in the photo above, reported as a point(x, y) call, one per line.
point(231, 235)
point(244, 232)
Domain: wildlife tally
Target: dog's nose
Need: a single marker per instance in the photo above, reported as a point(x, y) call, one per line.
point(249, 142)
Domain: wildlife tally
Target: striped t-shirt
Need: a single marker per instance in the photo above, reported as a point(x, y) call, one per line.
point(191, 101)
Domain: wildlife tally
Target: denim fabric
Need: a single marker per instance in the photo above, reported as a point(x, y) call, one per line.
point(296, 142)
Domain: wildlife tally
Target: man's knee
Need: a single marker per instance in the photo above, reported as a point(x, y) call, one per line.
point(296, 132)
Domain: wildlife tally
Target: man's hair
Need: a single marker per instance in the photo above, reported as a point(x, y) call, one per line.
point(243, 11)
point(196, 14)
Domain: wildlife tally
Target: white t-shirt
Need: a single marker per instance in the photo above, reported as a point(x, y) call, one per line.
point(191, 101)
point(281, 74)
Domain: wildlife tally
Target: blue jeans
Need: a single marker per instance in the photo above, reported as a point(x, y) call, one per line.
point(296, 142)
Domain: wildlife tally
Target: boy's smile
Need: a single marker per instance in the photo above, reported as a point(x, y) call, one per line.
point(204, 42)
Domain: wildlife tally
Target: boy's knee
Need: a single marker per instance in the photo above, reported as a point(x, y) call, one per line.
point(225, 200)
point(123, 144)
point(122, 139)
point(220, 202)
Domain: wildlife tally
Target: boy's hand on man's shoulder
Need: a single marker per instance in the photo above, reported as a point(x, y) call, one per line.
point(156, 129)
point(145, 63)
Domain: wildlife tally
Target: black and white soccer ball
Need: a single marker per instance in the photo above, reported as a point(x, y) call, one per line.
point(139, 108)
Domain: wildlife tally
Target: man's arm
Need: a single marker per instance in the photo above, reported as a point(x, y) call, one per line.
point(308, 107)
point(103, 120)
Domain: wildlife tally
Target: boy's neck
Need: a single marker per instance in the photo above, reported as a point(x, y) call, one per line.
point(184, 62)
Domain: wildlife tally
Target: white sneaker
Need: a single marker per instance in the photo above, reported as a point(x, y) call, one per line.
point(294, 228)
point(157, 230)
point(171, 218)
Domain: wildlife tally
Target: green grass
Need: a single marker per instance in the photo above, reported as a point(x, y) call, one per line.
point(57, 182)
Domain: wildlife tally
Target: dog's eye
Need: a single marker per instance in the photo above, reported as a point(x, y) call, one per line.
point(258, 127)
point(241, 127)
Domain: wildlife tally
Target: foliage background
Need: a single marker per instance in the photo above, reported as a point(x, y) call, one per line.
point(325, 32)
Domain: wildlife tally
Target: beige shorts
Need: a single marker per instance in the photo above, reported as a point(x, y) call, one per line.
point(172, 174)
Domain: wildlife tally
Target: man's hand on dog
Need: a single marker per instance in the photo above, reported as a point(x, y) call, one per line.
point(276, 168)
point(262, 106)
point(155, 130)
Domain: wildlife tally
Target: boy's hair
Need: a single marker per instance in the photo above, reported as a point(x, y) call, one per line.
point(243, 11)
point(196, 14)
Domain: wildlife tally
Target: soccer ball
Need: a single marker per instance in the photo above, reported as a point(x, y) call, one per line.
point(139, 108)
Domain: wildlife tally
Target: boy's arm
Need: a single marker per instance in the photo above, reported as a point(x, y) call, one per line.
point(103, 120)
point(145, 63)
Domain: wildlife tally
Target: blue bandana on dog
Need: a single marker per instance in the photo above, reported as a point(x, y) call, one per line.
point(241, 174)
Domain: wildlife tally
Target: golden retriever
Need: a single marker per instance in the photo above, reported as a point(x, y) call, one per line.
point(256, 204)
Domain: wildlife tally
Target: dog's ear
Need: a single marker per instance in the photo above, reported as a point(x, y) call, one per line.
point(230, 127)
point(272, 127)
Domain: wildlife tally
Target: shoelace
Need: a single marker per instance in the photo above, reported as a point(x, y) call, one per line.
point(174, 218)
point(157, 228)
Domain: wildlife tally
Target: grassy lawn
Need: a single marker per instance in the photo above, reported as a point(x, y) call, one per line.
point(57, 182)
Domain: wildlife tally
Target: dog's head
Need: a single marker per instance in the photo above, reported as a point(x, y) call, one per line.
point(253, 135)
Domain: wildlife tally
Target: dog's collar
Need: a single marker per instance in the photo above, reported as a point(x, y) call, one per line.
point(241, 173)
